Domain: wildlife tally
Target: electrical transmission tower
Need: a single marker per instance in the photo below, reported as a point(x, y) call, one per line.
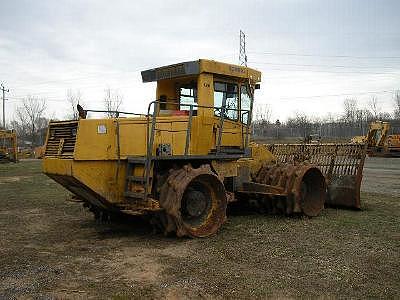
point(242, 49)
point(4, 90)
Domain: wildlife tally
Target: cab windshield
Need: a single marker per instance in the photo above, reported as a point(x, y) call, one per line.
point(226, 95)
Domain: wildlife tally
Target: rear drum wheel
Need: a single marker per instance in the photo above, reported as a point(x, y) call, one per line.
point(304, 184)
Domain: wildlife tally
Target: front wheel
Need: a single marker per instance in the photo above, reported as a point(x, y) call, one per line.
point(194, 201)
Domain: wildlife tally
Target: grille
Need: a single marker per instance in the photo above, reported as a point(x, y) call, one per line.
point(332, 159)
point(61, 139)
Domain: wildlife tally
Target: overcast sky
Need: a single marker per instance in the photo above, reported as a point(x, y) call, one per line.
point(312, 53)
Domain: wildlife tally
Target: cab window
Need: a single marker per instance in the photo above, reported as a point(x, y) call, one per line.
point(245, 103)
point(226, 95)
point(187, 97)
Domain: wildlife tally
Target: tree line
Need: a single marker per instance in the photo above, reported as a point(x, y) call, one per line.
point(32, 115)
point(31, 118)
point(354, 120)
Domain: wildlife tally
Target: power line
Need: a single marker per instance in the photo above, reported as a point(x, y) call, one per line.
point(324, 66)
point(38, 99)
point(44, 94)
point(334, 72)
point(50, 99)
point(129, 73)
point(338, 95)
point(320, 55)
point(97, 75)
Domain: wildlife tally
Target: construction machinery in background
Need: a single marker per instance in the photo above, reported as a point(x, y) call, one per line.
point(38, 152)
point(190, 156)
point(8, 146)
point(25, 153)
point(314, 138)
point(358, 139)
point(378, 140)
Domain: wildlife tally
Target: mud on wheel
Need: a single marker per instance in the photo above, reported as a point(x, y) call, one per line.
point(303, 184)
point(194, 202)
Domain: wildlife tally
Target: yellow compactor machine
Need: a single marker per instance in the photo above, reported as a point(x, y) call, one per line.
point(8, 146)
point(190, 156)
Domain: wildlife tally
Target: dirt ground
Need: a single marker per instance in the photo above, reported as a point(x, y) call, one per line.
point(52, 248)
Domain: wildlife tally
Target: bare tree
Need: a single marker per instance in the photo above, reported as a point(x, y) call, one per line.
point(302, 122)
point(362, 118)
point(73, 99)
point(263, 113)
point(262, 118)
point(385, 116)
point(374, 107)
point(350, 110)
point(329, 122)
point(396, 100)
point(112, 102)
point(31, 117)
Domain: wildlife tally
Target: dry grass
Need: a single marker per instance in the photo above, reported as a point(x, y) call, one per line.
point(53, 248)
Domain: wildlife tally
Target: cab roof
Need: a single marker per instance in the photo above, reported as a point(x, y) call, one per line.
point(200, 66)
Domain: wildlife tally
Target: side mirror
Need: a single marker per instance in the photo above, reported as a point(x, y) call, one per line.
point(257, 86)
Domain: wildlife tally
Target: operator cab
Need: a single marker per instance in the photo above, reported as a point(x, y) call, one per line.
point(206, 87)
point(214, 99)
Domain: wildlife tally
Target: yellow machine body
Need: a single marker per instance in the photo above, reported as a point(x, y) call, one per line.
point(186, 159)
point(358, 139)
point(393, 143)
point(100, 146)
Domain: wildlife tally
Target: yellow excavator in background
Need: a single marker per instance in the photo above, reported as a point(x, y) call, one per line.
point(379, 142)
point(8, 146)
point(190, 156)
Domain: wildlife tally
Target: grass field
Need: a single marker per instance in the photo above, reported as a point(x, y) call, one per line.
point(50, 247)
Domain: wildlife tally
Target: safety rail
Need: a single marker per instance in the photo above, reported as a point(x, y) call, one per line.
point(115, 113)
point(153, 116)
point(151, 130)
point(222, 117)
point(151, 122)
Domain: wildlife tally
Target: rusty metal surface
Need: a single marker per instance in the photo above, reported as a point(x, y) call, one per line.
point(341, 164)
point(260, 188)
point(173, 194)
point(303, 187)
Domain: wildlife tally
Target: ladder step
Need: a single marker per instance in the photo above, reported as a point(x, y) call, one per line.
point(137, 159)
point(136, 178)
point(134, 195)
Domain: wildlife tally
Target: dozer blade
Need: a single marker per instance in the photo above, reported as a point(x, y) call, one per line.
point(341, 164)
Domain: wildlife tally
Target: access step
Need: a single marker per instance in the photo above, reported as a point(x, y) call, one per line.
point(134, 195)
point(137, 159)
point(136, 179)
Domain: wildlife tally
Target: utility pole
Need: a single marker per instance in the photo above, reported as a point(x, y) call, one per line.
point(4, 90)
point(242, 49)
